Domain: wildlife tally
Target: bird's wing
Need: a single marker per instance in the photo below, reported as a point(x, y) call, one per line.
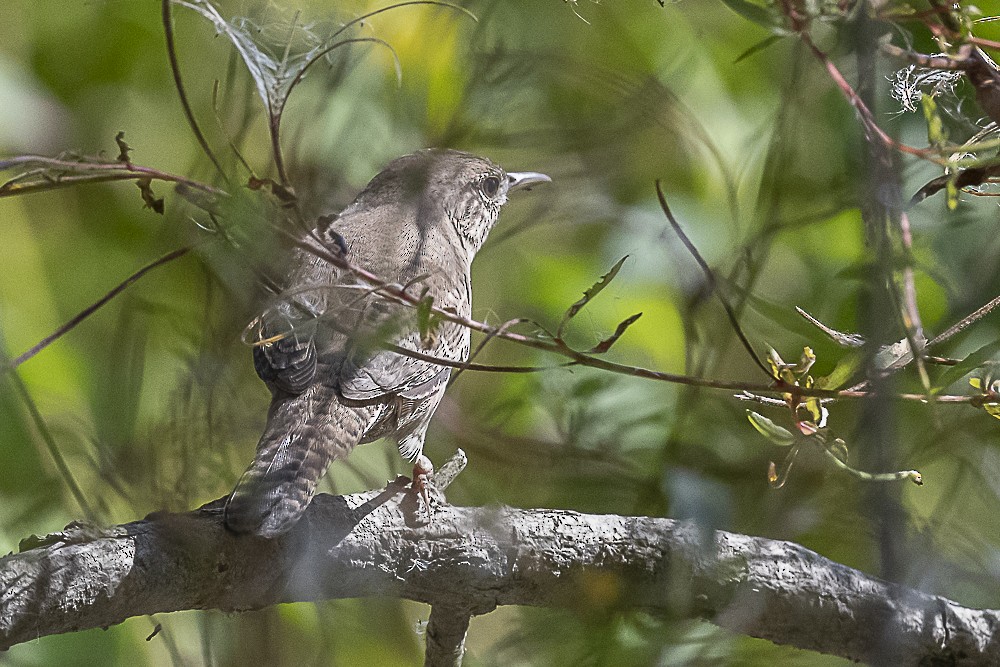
point(370, 374)
point(284, 353)
point(284, 335)
point(329, 314)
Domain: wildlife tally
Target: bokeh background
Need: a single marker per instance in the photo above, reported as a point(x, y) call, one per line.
point(152, 402)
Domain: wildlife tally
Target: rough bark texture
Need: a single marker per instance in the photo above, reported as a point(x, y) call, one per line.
point(468, 561)
point(446, 630)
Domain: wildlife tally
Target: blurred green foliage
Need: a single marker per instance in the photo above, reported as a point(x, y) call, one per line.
point(153, 403)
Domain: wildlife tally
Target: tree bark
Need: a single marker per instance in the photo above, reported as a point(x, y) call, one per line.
point(468, 561)
point(446, 630)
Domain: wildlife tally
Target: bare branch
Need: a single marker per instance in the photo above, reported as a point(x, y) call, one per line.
point(55, 172)
point(473, 560)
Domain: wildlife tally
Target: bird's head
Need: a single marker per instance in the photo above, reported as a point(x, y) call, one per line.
point(470, 190)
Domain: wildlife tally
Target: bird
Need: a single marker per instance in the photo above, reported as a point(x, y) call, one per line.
point(331, 348)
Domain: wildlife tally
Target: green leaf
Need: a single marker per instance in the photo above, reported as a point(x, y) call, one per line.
point(937, 135)
point(777, 477)
point(779, 435)
point(594, 290)
point(968, 364)
point(816, 410)
point(755, 14)
point(838, 448)
point(606, 344)
point(845, 369)
point(759, 46)
point(806, 361)
point(779, 314)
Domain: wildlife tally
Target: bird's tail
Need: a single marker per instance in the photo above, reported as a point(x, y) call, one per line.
point(293, 454)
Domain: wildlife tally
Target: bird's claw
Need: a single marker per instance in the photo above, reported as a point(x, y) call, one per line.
point(423, 483)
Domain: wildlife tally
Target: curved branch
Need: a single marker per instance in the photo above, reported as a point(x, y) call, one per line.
point(92, 308)
point(473, 560)
point(175, 69)
point(734, 320)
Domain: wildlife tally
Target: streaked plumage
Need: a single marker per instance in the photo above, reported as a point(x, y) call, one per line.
point(418, 223)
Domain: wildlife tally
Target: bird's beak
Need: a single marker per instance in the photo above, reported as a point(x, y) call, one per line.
point(523, 180)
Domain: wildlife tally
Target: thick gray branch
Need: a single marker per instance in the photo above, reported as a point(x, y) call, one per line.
point(467, 561)
point(446, 629)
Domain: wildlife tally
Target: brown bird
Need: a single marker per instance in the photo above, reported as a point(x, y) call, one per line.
point(322, 348)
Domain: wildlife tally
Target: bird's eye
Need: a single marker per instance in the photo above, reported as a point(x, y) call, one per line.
point(491, 185)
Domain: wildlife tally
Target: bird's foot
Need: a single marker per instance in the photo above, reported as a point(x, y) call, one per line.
point(423, 484)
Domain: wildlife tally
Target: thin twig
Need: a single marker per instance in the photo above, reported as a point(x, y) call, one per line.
point(867, 119)
point(168, 33)
point(479, 348)
point(276, 114)
point(710, 277)
point(466, 365)
point(92, 308)
point(131, 170)
point(396, 293)
point(965, 322)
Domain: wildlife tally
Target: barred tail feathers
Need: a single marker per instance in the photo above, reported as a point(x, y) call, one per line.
point(294, 452)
